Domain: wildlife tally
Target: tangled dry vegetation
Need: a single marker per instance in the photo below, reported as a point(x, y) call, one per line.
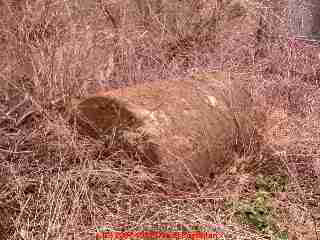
point(55, 183)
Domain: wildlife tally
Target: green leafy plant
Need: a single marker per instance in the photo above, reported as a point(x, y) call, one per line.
point(281, 236)
point(272, 183)
point(257, 212)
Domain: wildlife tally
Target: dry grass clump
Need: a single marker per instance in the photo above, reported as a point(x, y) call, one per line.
point(56, 183)
point(291, 93)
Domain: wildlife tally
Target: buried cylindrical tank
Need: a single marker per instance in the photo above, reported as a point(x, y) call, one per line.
point(189, 127)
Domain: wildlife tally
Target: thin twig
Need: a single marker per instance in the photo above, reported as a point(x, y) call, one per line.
point(108, 15)
point(17, 106)
point(24, 117)
point(315, 225)
point(13, 152)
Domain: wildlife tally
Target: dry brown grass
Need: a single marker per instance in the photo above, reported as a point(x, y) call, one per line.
point(55, 183)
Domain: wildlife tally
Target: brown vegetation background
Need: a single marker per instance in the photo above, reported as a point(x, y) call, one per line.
point(55, 183)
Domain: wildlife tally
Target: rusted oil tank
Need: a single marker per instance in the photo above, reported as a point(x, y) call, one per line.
point(189, 127)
